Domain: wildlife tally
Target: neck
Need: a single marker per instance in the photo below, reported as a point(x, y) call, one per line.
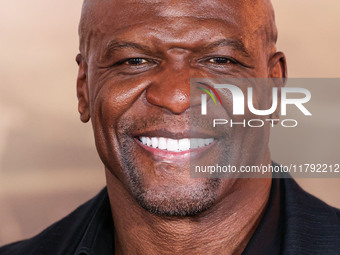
point(225, 228)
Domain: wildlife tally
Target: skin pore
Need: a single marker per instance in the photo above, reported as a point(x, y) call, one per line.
point(135, 64)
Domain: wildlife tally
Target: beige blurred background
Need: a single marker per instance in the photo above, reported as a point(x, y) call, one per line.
point(48, 163)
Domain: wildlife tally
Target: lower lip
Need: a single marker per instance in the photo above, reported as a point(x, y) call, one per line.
point(182, 155)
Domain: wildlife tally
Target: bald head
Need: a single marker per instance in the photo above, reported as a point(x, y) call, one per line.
point(256, 16)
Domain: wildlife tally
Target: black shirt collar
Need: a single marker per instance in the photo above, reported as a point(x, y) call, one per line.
point(268, 235)
point(99, 235)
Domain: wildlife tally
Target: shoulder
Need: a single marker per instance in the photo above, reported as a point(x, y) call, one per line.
point(311, 226)
point(63, 236)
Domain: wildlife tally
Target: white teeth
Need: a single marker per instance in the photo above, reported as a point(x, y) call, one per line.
point(194, 143)
point(148, 141)
point(162, 143)
point(184, 144)
point(154, 141)
point(208, 141)
point(172, 145)
point(201, 142)
point(175, 145)
point(144, 139)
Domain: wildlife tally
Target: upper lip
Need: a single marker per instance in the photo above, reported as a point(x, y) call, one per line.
point(176, 134)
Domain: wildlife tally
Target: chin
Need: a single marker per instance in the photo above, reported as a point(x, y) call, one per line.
point(177, 199)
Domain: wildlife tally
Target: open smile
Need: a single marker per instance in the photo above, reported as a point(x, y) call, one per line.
point(175, 145)
point(175, 148)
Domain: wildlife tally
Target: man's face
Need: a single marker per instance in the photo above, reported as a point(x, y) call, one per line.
point(140, 57)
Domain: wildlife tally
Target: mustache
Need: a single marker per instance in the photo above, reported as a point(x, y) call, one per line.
point(187, 121)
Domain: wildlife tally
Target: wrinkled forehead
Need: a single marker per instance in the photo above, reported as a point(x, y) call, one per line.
point(104, 16)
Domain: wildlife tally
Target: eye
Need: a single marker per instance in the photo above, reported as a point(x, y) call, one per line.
point(135, 61)
point(134, 65)
point(221, 61)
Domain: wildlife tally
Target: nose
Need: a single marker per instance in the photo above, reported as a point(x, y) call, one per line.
point(170, 89)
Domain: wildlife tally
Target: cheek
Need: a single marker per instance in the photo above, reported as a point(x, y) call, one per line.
point(110, 99)
point(112, 94)
point(251, 133)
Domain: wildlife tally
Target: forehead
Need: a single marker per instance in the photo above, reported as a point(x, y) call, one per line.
point(120, 13)
point(202, 8)
point(173, 20)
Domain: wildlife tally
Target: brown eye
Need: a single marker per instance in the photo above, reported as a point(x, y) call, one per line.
point(135, 61)
point(220, 61)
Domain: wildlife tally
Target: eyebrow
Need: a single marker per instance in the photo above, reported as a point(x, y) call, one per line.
point(235, 44)
point(114, 46)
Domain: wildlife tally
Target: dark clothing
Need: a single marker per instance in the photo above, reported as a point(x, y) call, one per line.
point(294, 223)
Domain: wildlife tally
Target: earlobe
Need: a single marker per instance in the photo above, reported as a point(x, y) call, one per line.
point(82, 90)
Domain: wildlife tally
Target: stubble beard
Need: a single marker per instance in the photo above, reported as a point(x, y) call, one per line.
point(173, 199)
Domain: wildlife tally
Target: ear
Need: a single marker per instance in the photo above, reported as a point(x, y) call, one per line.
point(82, 90)
point(278, 73)
point(278, 66)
